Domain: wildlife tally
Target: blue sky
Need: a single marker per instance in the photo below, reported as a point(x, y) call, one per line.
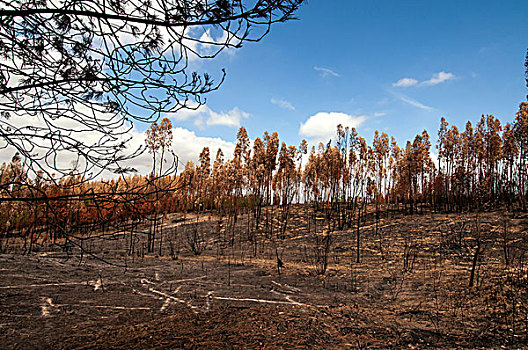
point(397, 67)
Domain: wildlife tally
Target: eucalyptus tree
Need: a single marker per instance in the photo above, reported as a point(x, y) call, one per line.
point(159, 136)
point(510, 152)
point(520, 127)
point(492, 129)
point(381, 152)
point(394, 159)
point(285, 182)
point(204, 176)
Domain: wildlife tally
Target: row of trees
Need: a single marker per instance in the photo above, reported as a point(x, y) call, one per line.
point(485, 165)
point(481, 166)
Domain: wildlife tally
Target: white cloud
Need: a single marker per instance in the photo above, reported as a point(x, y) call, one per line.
point(186, 144)
point(201, 113)
point(283, 104)
point(209, 45)
point(439, 78)
point(194, 110)
point(53, 145)
point(323, 125)
point(326, 72)
point(414, 103)
point(405, 82)
point(231, 118)
point(436, 79)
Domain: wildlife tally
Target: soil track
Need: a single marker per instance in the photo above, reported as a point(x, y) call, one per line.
point(410, 290)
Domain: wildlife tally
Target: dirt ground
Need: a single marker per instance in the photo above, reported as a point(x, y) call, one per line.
point(410, 289)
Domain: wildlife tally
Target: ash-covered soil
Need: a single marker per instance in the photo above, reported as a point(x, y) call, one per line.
point(410, 289)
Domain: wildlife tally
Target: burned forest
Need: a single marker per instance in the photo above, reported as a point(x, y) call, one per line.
point(353, 241)
point(359, 238)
